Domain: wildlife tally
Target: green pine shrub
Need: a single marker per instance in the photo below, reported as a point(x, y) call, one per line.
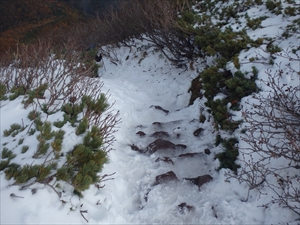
point(239, 87)
point(16, 92)
point(71, 112)
point(82, 164)
point(42, 149)
point(27, 172)
point(31, 131)
point(93, 138)
point(273, 48)
point(57, 142)
point(38, 123)
point(212, 81)
point(24, 149)
point(36, 93)
point(12, 169)
point(291, 11)
point(2, 92)
point(20, 141)
point(14, 130)
point(45, 132)
point(254, 72)
point(7, 154)
point(59, 124)
point(89, 60)
point(33, 115)
point(274, 6)
point(4, 164)
point(82, 126)
point(228, 157)
point(96, 106)
point(88, 162)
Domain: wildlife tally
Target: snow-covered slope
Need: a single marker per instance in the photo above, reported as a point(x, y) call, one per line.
point(152, 96)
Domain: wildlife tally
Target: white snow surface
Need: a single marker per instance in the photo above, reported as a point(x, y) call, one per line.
point(137, 87)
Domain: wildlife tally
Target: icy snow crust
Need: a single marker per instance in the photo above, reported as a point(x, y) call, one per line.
point(135, 86)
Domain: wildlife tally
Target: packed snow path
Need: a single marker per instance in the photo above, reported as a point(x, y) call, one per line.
point(152, 98)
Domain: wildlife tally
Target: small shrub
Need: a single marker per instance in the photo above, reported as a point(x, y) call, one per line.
point(71, 112)
point(41, 149)
point(271, 5)
point(57, 143)
point(59, 124)
point(27, 172)
point(46, 131)
point(7, 154)
point(291, 11)
point(2, 92)
point(88, 163)
point(252, 59)
point(38, 124)
point(4, 164)
point(236, 62)
point(273, 48)
point(254, 23)
point(229, 156)
point(33, 115)
point(36, 93)
point(97, 106)
point(20, 141)
point(82, 126)
point(16, 92)
point(31, 131)
point(24, 149)
point(239, 86)
point(255, 72)
point(14, 128)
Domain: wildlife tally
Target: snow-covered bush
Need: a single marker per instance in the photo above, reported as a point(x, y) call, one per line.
point(56, 83)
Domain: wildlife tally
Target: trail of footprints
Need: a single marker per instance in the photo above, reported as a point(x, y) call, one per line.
point(163, 139)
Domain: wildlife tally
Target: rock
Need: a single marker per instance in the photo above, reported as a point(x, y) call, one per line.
point(199, 181)
point(190, 154)
point(198, 132)
point(170, 123)
point(135, 148)
point(160, 134)
point(165, 159)
point(141, 133)
point(160, 144)
point(185, 207)
point(159, 108)
point(165, 178)
point(146, 195)
point(207, 151)
point(157, 124)
point(181, 146)
point(98, 57)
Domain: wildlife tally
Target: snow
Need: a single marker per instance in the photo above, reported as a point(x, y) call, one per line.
point(136, 86)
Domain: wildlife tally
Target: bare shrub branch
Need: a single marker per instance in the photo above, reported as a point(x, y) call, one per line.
point(271, 160)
